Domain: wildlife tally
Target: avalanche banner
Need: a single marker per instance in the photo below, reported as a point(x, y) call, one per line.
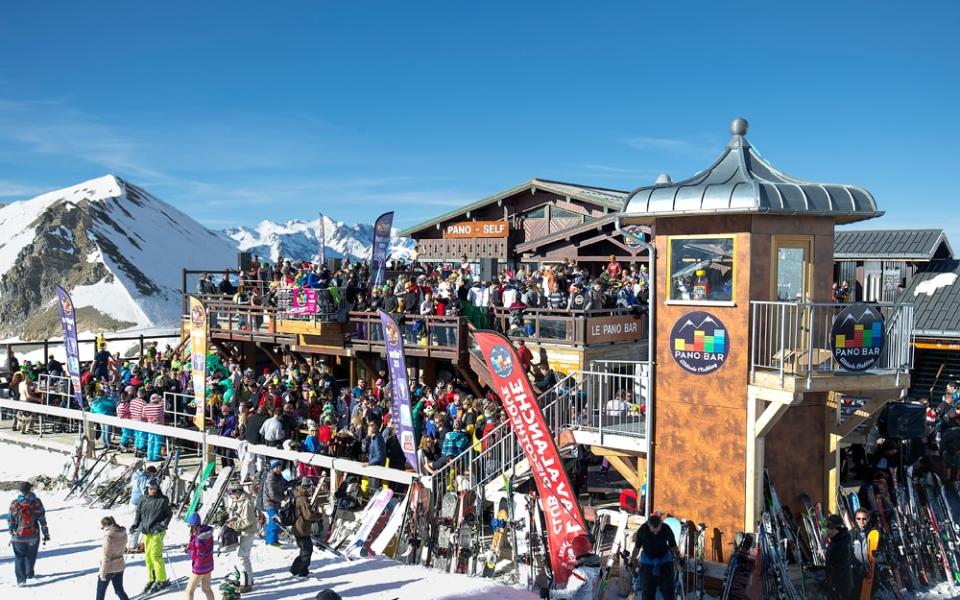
point(560, 508)
point(381, 249)
point(198, 358)
point(399, 389)
point(68, 322)
point(323, 242)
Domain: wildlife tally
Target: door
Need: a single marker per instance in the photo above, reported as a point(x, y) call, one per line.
point(792, 278)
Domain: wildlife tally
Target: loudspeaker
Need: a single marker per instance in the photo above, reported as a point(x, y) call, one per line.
point(244, 261)
point(488, 268)
point(333, 264)
point(906, 420)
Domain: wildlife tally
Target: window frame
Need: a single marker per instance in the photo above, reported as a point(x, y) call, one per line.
point(668, 283)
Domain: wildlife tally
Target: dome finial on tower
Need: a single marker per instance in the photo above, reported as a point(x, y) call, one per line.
point(739, 126)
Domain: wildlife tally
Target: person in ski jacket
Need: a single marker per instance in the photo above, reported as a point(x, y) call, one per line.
point(304, 518)
point(104, 405)
point(657, 547)
point(455, 442)
point(584, 580)
point(123, 412)
point(860, 548)
point(112, 563)
point(136, 414)
point(274, 489)
point(26, 522)
point(138, 489)
point(151, 520)
point(200, 550)
point(839, 559)
point(242, 518)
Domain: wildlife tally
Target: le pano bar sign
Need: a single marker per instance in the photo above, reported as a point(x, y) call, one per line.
point(858, 337)
point(477, 229)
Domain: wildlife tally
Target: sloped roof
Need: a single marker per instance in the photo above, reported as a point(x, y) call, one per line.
point(741, 182)
point(603, 197)
point(935, 293)
point(889, 244)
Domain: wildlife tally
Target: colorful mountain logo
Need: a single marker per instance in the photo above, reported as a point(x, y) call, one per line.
point(501, 362)
point(858, 337)
point(699, 343)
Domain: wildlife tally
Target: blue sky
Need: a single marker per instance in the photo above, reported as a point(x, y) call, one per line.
point(241, 111)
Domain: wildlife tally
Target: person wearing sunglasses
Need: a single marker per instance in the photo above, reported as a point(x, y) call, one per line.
point(242, 518)
point(861, 562)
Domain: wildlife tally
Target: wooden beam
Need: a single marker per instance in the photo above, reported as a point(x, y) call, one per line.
point(871, 407)
point(753, 496)
point(770, 416)
point(633, 475)
point(772, 394)
point(607, 452)
point(470, 382)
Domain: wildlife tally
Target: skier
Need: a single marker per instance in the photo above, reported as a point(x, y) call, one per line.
point(200, 550)
point(305, 516)
point(242, 518)
point(138, 490)
point(112, 563)
point(839, 557)
point(274, 489)
point(583, 581)
point(26, 521)
point(657, 548)
point(153, 517)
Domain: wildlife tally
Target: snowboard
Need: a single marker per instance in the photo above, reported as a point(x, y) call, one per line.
point(368, 520)
point(216, 495)
point(618, 543)
point(198, 491)
point(523, 530)
point(499, 525)
point(392, 527)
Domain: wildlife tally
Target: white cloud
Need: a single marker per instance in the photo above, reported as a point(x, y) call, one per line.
point(696, 146)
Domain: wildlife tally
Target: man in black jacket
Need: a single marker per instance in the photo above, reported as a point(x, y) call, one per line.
point(839, 560)
point(152, 519)
point(657, 547)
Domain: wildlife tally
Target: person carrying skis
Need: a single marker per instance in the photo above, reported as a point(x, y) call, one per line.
point(200, 550)
point(585, 577)
point(152, 519)
point(657, 548)
point(26, 521)
point(839, 558)
point(242, 518)
point(112, 563)
point(304, 517)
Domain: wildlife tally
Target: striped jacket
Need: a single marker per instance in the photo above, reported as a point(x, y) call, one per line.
point(136, 408)
point(123, 410)
point(153, 413)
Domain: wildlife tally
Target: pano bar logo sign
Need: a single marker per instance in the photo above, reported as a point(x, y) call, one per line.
point(699, 343)
point(560, 508)
point(68, 322)
point(477, 229)
point(858, 337)
point(399, 389)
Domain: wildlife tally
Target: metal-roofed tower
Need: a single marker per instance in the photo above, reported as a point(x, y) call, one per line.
point(747, 332)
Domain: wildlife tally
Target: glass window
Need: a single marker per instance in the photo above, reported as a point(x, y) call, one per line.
point(562, 213)
point(701, 269)
point(791, 269)
point(536, 213)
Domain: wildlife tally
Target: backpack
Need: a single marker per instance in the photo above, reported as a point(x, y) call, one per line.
point(23, 516)
point(287, 513)
point(228, 538)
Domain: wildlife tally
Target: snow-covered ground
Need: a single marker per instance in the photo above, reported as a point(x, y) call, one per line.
point(68, 564)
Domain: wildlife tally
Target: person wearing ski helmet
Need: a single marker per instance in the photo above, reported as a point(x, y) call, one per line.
point(838, 560)
point(200, 550)
point(657, 548)
point(152, 519)
point(585, 577)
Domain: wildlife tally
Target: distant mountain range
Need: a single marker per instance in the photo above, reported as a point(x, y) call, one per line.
point(119, 251)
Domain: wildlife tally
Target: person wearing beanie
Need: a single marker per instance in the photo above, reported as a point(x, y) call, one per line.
point(657, 548)
point(585, 577)
point(242, 518)
point(152, 519)
point(26, 522)
point(839, 560)
point(200, 550)
point(304, 518)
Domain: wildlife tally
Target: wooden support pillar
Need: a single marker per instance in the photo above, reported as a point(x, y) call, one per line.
point(832, 453)
point(754, 454)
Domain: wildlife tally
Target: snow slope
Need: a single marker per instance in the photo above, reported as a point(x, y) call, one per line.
point(69, 563)
point(300, 240)
point(117, 248)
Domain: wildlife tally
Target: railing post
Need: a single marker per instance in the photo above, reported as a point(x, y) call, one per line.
point(812, 319)
point(783, 350)
point(753, 342)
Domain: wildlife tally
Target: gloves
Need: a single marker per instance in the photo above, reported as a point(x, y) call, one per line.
point(544, 592)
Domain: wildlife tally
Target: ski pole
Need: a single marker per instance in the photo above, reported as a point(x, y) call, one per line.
point(169, 561)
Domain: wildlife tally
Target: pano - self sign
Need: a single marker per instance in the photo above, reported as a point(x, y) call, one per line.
point(477, 229)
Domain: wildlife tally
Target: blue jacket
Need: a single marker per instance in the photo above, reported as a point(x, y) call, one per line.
point(139, 488)
point(377, 454)
point(103, 406)
point(313, 280)
point(455, 443)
